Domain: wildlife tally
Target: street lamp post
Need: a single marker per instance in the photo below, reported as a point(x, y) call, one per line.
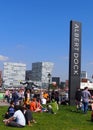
point(49, 76)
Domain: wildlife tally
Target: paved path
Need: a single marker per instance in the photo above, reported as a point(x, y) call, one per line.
point(4, 103)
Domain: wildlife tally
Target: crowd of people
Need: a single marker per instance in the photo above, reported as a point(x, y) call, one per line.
point(24, 103)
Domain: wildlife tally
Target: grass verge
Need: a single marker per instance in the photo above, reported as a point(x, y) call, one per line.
point(66, 119)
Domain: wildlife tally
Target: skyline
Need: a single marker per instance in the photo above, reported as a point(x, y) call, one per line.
point(38, 31)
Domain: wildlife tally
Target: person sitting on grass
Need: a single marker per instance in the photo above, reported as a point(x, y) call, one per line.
point(43, 104)
point(10, 111)
point(52, 107)
point(33, 104)
point(38, 106)
point(29, 116)
point(17, 120)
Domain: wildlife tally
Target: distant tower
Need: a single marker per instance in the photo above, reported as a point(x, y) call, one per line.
point(40, 71)
point(0, 78)
point(28, 74)
point(83, 75)
point(57, 80)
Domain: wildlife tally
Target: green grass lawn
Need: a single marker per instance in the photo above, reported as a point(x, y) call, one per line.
point(65, 119)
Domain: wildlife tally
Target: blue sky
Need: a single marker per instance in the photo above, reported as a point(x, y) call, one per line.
point(38, 30)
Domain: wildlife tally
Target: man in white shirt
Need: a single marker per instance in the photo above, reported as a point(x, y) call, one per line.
point(17, 120)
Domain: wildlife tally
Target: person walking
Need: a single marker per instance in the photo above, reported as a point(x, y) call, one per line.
point(78, 95)
point(85, 98)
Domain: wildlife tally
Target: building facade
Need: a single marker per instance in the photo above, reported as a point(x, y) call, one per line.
point(13, 73)
point(0, 78)
point(56, 80)
point(84, 75)
point(28, 75)
point(40, 71)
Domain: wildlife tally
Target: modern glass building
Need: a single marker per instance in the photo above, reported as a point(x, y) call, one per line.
point(84, 75)
point(13, 73)
point(40, 71)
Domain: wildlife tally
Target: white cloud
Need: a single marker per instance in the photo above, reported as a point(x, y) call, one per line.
point(3, 58)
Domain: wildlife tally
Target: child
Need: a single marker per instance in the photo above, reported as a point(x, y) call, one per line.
point(10, 111)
